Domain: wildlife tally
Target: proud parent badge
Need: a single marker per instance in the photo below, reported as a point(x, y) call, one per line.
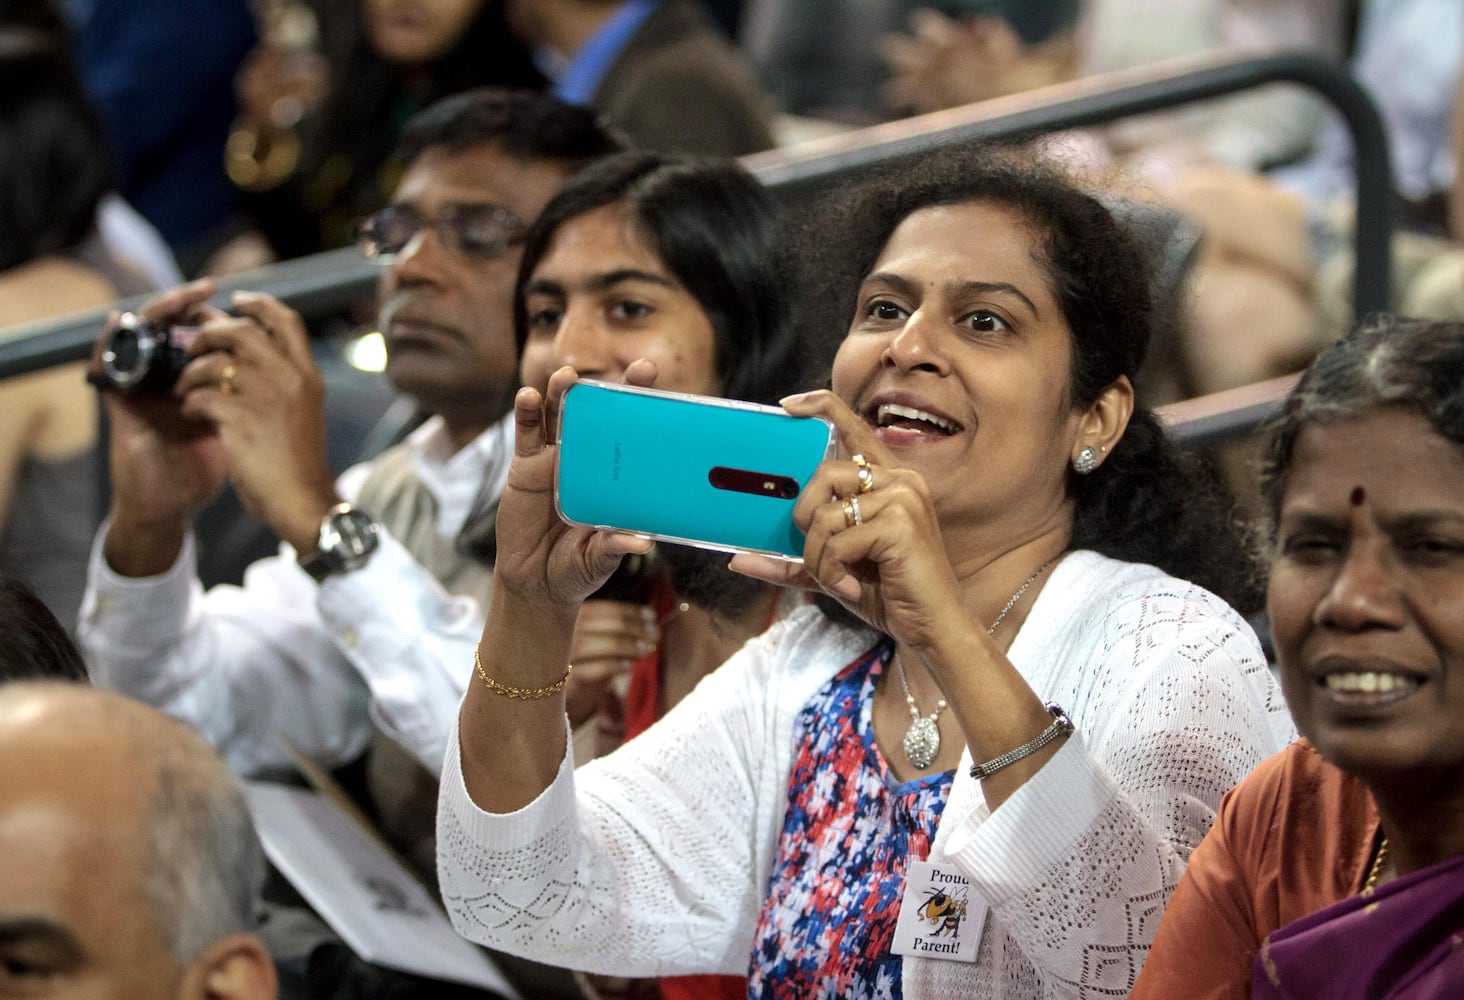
point(941, 916)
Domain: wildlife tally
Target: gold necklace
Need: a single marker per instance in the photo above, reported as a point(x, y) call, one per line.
point(922, 739)
point(1377, 867)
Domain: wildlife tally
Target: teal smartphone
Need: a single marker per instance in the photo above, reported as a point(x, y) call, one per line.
point(696, 470)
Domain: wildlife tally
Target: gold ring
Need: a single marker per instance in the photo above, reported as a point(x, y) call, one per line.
point(852, 515)
point(226, 379)
point(866, 474)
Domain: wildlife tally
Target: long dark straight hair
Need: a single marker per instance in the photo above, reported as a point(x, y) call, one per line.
point(718, 232)
point(54, 160)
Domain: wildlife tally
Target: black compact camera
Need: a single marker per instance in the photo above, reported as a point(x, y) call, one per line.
point(141, 357)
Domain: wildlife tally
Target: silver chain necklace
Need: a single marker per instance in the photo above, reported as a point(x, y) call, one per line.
point(922, 739)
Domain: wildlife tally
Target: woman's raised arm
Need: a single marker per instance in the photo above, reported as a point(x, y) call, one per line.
point(512, 725)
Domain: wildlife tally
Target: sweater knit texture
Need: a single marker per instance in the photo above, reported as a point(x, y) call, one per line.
point(655, 860)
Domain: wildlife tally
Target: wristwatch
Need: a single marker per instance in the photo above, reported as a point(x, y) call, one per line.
point(347, 538)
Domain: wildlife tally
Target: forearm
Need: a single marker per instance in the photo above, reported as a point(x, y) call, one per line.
point(246, 666)
point(141, 543)
point(410, 641)
point(649, 861)
point(997, 709)
point(512, 746)
point(130, 628)
point(297, 521)
point(1104, 830)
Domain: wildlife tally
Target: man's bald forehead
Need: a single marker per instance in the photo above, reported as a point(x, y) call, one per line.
point(57, 713)
point(29, 703)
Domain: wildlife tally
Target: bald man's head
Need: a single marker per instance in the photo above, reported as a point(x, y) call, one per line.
point(127, 857)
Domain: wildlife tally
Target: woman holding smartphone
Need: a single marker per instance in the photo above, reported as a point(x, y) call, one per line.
point(672, 259)
point(986, 773)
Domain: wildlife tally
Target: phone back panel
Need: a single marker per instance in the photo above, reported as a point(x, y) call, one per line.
point(689, 469)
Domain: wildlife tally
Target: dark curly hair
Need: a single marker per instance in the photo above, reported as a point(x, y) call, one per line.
point(1385, 361)
point(1148, 502)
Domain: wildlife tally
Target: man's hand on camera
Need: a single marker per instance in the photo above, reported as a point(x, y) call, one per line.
point(163, 465)
point(254, 379)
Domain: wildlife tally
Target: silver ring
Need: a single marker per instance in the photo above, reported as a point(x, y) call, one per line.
point(854, 506)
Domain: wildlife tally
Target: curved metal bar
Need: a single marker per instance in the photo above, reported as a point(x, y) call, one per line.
point(1224, 416)
point(328, 281)
point(316, 285)
point(1105, 98)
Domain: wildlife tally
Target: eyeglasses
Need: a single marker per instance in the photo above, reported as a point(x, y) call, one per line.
point(482, 231)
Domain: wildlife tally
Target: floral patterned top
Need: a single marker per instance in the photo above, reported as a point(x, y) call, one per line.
point(829, 914)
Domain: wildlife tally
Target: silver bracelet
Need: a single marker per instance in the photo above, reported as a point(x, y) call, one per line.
point(1061, 726)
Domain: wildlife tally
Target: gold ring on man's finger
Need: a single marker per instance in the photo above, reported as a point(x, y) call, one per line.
point(866, 474)
point(226, 379)
point(852, 515)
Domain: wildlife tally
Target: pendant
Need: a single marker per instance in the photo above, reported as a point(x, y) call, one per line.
point(922, 742)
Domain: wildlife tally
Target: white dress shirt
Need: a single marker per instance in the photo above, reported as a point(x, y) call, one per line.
point(283, 660)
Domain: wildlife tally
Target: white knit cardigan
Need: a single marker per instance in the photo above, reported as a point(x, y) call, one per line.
point(655, 860)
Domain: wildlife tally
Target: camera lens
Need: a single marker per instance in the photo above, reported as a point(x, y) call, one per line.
point(128, 359)
point(124, 351)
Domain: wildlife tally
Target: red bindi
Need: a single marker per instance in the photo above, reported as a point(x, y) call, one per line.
point(1358, 496)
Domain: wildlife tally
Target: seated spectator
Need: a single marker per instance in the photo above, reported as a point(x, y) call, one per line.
point(162, 78)
point(322, 107)
point(353, 636)
point(1278, 258)
point(1337, 868)
point(54, 179)
point(657, 69)
point(648, 256)
point(347, 646)
point(996, 529)
point(965, 51)
point(1251, 130)
point(128, 863)
point(33, 643)
point(860, 63)
point(1238, 314)
point(820, 58)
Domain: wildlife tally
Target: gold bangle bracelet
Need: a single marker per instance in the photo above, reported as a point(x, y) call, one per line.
point(524, 694)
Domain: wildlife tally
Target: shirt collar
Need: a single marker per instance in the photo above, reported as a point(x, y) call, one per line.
point(455, 478)
point(577, 78)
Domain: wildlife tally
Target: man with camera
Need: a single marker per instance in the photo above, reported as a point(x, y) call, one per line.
point(349, 632)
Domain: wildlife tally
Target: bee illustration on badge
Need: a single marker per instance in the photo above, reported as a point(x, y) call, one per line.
point(942, 910)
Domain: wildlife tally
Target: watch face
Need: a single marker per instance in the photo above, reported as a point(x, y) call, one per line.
point(348, 538)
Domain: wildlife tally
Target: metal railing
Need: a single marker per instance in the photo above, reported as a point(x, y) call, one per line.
point(326, 282)
point(1224, 416)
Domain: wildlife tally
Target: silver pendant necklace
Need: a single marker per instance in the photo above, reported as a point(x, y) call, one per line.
point(922, 739)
